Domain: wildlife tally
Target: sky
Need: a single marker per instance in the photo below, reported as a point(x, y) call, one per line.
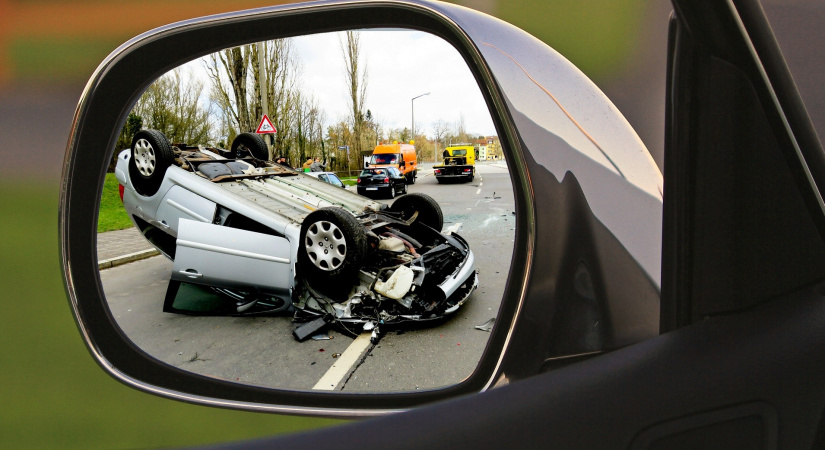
point(400, 65)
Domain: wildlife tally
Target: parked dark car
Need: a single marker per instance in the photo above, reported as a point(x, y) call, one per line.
point(386, 181)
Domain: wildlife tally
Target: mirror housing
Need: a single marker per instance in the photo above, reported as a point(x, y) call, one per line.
point(585, 277)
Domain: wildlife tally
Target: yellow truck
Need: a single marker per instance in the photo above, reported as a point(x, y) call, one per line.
point(459, 164)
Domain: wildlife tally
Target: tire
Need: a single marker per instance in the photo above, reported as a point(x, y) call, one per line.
point(405, 189)
point(332, 246)
point(392, 191)
point(151, 156)
point(249, 144)
point(429, 212)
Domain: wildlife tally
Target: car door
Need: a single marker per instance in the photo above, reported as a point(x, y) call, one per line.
point(219, 256)
point(395, 179)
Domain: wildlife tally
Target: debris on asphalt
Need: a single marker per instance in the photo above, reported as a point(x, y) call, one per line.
point(322, 337)
point(486, 326)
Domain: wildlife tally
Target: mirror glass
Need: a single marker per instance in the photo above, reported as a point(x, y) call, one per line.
point(326, 212)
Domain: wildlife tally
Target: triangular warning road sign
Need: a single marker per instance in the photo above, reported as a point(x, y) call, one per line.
point(266, 126)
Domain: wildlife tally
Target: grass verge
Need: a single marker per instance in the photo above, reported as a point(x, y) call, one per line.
point(112, 215)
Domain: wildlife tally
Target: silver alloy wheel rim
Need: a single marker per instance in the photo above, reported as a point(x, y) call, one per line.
point(144, 157)
point(326, 245)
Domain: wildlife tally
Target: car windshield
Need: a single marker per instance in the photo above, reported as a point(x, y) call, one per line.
point(385, 158)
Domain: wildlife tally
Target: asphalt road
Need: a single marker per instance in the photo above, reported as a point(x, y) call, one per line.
point(261, 350)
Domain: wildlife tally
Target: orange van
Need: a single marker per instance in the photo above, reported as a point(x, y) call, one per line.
point(400, 156)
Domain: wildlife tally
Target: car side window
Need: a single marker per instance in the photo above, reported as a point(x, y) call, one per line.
point(333, 179)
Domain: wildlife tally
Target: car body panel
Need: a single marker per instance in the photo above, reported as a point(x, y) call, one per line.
point(214, 255)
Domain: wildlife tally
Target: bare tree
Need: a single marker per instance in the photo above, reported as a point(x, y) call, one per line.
point(355, 76)
point(237, 88)
point(440, 130)
point(461, 130)
point(339, 135)
point(173, 105)
point(233, 64)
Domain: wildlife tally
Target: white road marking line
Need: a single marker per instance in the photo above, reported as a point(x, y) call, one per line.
point(478, 191)
point(344, 364)
point(481, 184)
point(453, 228)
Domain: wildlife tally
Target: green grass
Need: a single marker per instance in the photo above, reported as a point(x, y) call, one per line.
point(53, 393)
point(348, 181)
point(64, 59)
point(112, 215)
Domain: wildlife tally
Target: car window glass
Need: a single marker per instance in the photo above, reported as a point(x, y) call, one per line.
point(229, 265)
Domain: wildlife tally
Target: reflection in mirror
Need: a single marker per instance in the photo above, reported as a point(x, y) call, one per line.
point(347, 227)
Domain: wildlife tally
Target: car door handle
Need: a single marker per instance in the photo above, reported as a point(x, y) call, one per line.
point(191, 273)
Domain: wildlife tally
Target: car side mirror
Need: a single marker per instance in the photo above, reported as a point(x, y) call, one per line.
point(569, 272)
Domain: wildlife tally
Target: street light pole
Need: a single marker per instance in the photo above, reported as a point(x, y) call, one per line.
point(412, 103)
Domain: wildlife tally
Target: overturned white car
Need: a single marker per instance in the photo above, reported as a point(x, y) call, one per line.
point(270, 239)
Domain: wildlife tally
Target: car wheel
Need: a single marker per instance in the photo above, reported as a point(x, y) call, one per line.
point(429, 212)
point(405, 189)
point(151, 156)
point(249, 144)
point(392, 190)
point(333, 244)
point(411, 179)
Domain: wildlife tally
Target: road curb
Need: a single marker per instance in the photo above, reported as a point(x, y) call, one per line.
point(120, 260)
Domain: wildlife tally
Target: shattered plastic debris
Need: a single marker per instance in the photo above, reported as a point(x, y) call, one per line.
point(369, 326)
point(335, 355)
point(321, 337)
point(486, 326)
